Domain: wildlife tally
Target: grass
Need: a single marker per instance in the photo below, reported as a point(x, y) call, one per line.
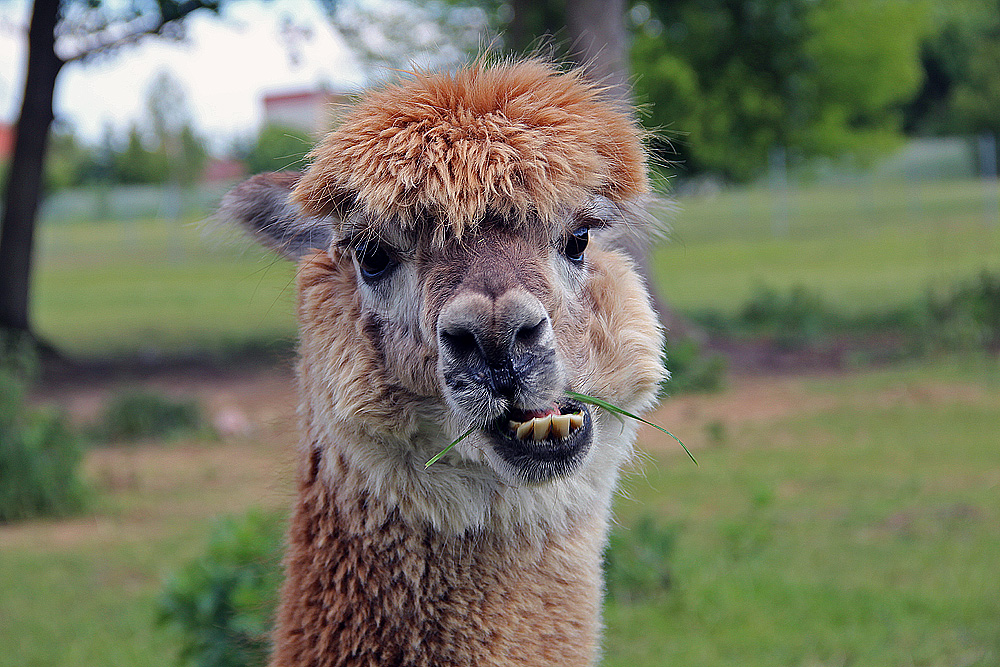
point(855, 526)
point(864, 248)
point(862, 533)
point(153, 287)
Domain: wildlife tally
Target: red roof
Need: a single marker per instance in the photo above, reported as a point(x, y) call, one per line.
point(301, 96)
point(6, 140)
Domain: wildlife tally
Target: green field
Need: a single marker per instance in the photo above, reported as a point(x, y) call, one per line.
point(863, 247)
point(863, 532)
point(151, 287)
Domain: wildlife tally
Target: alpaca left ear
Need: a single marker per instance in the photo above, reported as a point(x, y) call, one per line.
point(263, 206)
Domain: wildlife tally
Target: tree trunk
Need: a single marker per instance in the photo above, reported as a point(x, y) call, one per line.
point(24, 181)
point(599, 43)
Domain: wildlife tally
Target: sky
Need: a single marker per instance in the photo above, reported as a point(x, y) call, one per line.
point(225, 66)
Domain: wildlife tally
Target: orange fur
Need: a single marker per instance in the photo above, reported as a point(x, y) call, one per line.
point(516, 140)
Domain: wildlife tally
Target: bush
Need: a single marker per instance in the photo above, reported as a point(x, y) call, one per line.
point(966, 317)
point(224, 602)
point(137, 414)
point(637, 562)
point(793, 320)
point(39, 455)
point(691, 371)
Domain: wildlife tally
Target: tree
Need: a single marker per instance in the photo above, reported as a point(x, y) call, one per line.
point(84, 28)
point(277, 148)
point(727, 80)
point(960, 91)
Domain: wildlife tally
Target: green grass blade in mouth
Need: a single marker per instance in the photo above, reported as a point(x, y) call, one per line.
point(616, 411)
point(434, 459)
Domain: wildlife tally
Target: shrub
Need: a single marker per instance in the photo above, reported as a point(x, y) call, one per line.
point(224, 602)
point(967, 316)
point(692, 371)
point(39, 455)
point(637, 561)
point(793, 320)
point(137, 414)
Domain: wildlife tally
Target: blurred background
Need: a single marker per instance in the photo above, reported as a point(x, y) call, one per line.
point(829, 281)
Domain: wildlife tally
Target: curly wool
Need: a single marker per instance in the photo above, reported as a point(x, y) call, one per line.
point(520, 140)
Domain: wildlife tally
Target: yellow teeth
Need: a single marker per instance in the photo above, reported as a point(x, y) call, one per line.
point(540, 428)
point(560, 425)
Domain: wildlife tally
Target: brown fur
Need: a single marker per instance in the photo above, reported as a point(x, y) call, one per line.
point(367, 588)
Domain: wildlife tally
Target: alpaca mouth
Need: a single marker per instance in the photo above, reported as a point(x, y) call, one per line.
point(540, 445)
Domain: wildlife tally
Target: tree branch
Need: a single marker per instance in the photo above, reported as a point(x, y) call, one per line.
point(134, 30)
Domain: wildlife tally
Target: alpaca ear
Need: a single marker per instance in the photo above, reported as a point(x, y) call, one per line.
point(263, 206)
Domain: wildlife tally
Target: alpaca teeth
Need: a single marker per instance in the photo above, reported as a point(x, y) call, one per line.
point(560, 425)
point(543, 425)
point(540, 428)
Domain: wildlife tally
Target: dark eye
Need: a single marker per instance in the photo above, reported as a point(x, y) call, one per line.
point(374, 261)
point(576, 244)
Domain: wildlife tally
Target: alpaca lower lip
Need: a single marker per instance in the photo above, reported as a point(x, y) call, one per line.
point(556, 454)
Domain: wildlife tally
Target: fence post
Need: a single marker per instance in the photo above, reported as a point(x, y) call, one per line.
point(777, 164)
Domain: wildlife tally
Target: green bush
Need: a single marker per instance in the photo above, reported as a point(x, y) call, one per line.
point(224, 602)
point(637, 561)
point(793, 320)
point(136, 414)
point(39, 456)
point(967, 316)
point(691, 370)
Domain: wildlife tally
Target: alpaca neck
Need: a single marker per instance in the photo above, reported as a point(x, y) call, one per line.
point(366, 586)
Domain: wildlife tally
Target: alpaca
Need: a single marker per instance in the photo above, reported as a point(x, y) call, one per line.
point(458, 271)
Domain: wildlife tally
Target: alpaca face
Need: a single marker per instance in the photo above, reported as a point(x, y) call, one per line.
point(502, 313)
point(464, 275)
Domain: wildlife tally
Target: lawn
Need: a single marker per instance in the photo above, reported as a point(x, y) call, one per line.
point(152, 287)
point(835, 519)
point(863, 247)
point(858, 529)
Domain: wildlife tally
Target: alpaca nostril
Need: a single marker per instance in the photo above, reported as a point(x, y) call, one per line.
point(530, 334)
point(461, 342)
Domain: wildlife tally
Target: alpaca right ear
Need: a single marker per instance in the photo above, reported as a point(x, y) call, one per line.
point(263, 206)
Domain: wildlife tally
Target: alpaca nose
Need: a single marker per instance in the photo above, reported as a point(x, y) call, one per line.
point(494, 338)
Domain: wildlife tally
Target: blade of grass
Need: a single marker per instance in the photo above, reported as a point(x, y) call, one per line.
point(434, 459)
point(616, 411)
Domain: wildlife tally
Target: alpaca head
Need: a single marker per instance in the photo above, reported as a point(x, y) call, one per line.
point(458, 269)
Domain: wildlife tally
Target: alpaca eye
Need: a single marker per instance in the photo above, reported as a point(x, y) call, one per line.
point(576, 244)
point(374, 261)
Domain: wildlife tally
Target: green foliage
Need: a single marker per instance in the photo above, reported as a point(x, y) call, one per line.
point(964, 316)
point(792, 320)
point(967, 316)
point(278, 148)
point(68, 163)
point(691, 370)
point(138, 164)
point(223, 602)
point(637, 561)
point(137, 414)
point(39, 455)
point(960, 92)
point(727, 81)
